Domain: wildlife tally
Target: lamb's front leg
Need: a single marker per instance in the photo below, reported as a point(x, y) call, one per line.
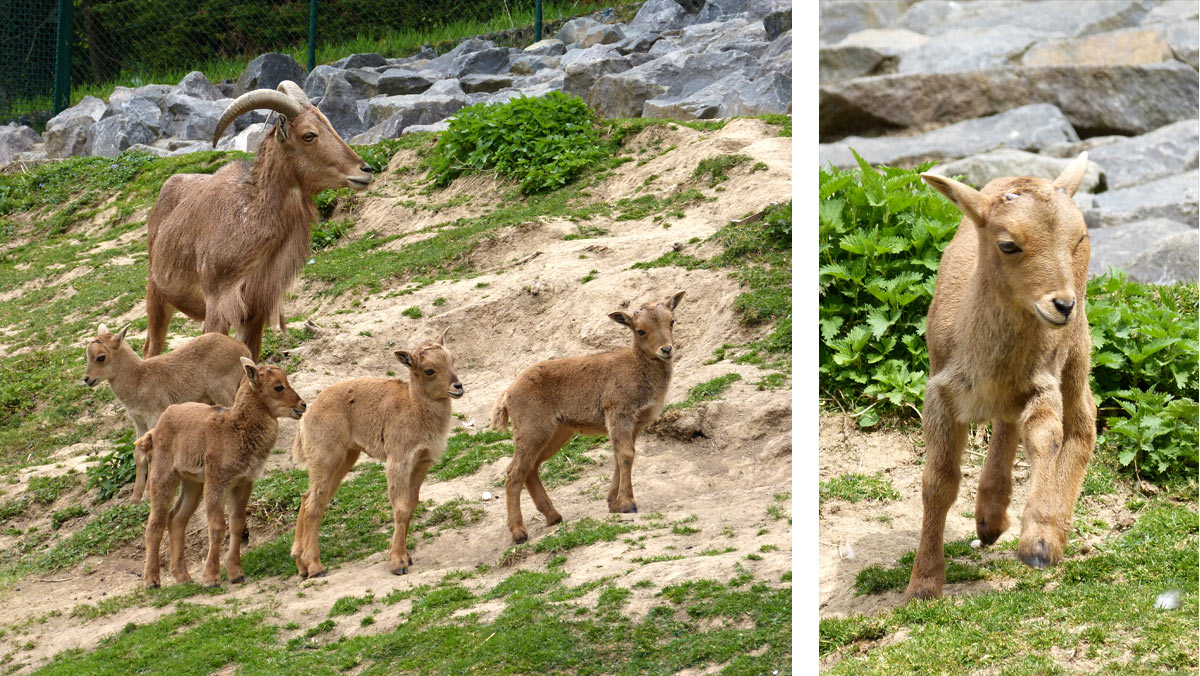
point(215, 511)
point(1045, 523)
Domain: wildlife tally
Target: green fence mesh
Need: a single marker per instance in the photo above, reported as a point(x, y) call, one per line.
point(136, 42)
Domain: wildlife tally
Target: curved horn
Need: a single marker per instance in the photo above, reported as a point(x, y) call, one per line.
point(295, 91)
point(259, 98)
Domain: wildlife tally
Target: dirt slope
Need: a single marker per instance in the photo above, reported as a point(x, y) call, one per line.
point(528, 305)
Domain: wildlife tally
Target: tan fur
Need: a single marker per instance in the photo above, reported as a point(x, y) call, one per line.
point(216, 452)
point(402, 424)
point(206, 369)
point(616, 393)
point(225, 248)
point(1008, 342)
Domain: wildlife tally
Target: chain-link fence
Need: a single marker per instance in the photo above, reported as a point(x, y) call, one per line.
point(137, 42)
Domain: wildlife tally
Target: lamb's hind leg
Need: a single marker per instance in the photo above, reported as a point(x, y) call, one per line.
point(160, 498)
point(140, 460)
point(189, 498)
point(528, 442)
point(945, 438)
point(239, 495)
point(995, 484)
point(533, 481)
point(324, 478)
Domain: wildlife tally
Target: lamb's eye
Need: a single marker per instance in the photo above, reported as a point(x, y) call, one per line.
point(1010, 197)
point(279, 388)
point(429, 372)
point(309, 136)
point(1009, 247)
point(100, 358)
point(672, 322)
point(641, 332)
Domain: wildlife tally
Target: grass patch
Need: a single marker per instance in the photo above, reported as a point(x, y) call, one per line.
point(466, 453)
point(706, 391)
point(349, 605)
point(858, 487)
point(717, 168)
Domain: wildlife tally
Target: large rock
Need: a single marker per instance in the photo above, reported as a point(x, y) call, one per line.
point(1170, 150)
point(1172, 259)
point(1184, 39)
point(1120, 244)
point(389, 115)
point(191, 118)
point(847, 62)
point(340, 105)
point(573, 31)
point(143, 110)
point(471, 56)
point(15, 139)
point(1126, 47)
point(1065, 18)
point(694, 96)
point(248, 140)
point(777, 23)
point(605, 34)
point(1027, 128)
point(589, 65)
point(318, 80)
point(399, 81)
point(771, 93)
point(549, 47)
point(367, 60)
point(114, 134)
point(661, 15)
point(967, 49)
point(724, 10)
point(197, 85)
point(623, 94)
point(979, 169)
point(1173, 197)
point(365, 81)
point(890, 41)
point(528, 64)
point(839, 19)
point(777, 58)
point(480, 82)
point(1096, 99)
point(267, 71)
point(90, 108)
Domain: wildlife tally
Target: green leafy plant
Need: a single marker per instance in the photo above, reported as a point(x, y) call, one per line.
point(114, 470)
point(325, 235)
point(541, 142)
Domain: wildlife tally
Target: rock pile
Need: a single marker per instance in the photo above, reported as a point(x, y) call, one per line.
point(685, 59)
point(1009, 87)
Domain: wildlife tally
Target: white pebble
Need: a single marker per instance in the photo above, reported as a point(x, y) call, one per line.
point(976, 544)
point(487, 495)
point(1168, 600)
point(849, 551)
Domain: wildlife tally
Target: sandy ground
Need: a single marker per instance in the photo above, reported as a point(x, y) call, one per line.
point(527, 306)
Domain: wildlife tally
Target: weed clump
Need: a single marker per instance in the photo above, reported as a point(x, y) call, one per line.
point(542, 142)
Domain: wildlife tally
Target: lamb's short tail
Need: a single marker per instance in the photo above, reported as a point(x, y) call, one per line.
point(144, 446)
point(298, 444)
point(500, 412)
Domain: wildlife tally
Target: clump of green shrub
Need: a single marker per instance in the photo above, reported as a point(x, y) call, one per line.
point(542, 142)
point(114, 470)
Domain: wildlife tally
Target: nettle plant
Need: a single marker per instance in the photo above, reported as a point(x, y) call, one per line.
point(880, 240)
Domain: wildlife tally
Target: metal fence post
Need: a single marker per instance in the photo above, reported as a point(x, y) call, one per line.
point(62, 59)
point(537, 21)
point(312, 34)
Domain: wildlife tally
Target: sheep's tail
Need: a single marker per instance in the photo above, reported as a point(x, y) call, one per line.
point(298, 444)
point(144, 446)
point(500, 412)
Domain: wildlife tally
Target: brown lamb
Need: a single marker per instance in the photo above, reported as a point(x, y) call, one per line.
point(216, 452)
point(224, 248)
point(206, 369)
point(617, 393)
point(403, 424)
point(1008, 342)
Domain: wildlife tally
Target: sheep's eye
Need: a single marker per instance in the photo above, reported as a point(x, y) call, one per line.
point(429, 372)
point(1010, 197)
point(279, 388)
point(309, 136)
point(1009, 247)
point(641, 332)
point(100, 358)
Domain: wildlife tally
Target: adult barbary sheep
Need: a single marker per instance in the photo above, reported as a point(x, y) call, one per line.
point(403, 424)
point(206, 369)
point(617, 393)
point(1008, 342)
point(216, 452)
point(225, 248)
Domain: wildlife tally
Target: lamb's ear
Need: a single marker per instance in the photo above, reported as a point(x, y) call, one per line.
point(251, 370)
point(673, 301)
point(442, 340)
point(103, 328)
point(121, 337)
point(969, 201)
point(405, 358)
point(621, 318)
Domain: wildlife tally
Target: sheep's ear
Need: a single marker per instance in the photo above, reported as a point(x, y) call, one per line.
point(251, 370)
point(969, 201)
point(442, 340)
point(673, 301)
point(121, 337)
point(405, 358)
point(1070, 178)
point(621, 318)
point(281, 129)
point(103, 328)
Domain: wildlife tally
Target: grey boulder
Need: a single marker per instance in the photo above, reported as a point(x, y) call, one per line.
point(1120, 244)
point(267, 71)
point(661, 15)
point(980, 169)
point(197, 85)
point(1166, 151)
point(1173, 197)
point(15, 139)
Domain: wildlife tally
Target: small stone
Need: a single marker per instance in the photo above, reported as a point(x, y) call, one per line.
point(976, 543)
point(487, 495)
point(1085, 548)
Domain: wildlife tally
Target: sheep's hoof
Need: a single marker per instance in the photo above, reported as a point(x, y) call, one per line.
point(238, 580)
point(315, 575)
point(922, 589)
point(152, 584)
point(212, 585)
point(520, 536)
point(402, 570)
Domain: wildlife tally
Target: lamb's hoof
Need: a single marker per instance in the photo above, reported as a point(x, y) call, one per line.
point(520, 537)
point(402, 570)
point(553, 520)
point(238, 580)
point(1039, 555)
point(152, 584)
point(315, 575)
point(990, 530)
point(921, 590)
point(212, 585)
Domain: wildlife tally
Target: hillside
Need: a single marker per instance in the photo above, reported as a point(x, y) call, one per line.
point(697, 582)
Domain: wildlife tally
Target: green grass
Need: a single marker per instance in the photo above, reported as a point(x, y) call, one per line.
point(706, 391)
point(1102, 607)
point(742, 627)
point(858, 487)
point(349, 605)
point(466, 453)
point(717, 168)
